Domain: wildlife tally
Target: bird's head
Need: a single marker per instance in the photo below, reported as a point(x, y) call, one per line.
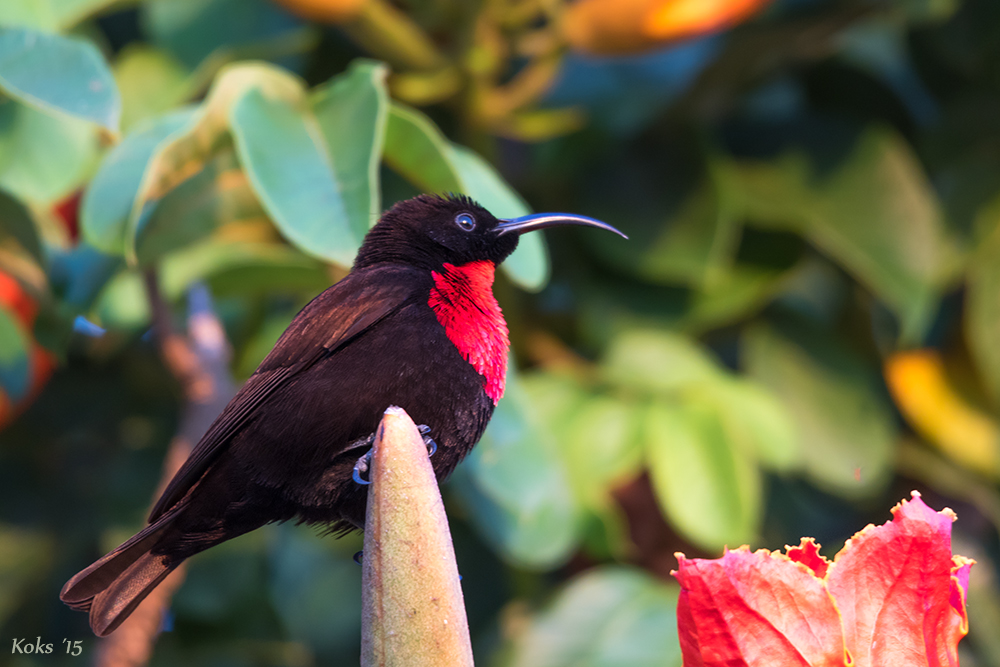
point(429, 231)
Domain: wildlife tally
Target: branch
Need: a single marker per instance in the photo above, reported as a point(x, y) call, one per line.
point(200, 362)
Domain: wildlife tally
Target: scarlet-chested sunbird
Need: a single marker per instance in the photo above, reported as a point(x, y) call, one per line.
point(414, 324)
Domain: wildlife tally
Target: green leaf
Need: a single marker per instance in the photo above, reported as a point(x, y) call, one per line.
point(58, 74)
point(657, 361)
point(15, 346)
point(876, 214)
point(43, 158)
point(218, 195)
point(417, 149)
point(608, 617)
point(109, 199)
point(697, 247)
point(707, 486)
point(187, 152)
point(844, 422)
point(755, 418)
point(151, 82)
point(982, 311)
point(352, 111)
point(601, 447)
point(48, 15)
point(516, 489)
point(276, 144)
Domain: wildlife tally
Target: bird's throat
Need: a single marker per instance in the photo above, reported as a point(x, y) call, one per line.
point(462, 298)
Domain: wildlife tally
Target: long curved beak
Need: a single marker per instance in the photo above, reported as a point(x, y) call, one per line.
point(528, 223)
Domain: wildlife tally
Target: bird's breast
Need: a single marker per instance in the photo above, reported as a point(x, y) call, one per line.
point(462, 299)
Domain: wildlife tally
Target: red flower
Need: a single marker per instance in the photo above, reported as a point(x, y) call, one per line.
point(894, 595)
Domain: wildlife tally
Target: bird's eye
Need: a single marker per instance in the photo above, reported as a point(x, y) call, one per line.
point(465, 221)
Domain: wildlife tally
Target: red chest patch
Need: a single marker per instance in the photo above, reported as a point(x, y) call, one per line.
point(462, 298)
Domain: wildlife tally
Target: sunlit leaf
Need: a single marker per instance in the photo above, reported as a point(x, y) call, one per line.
point(658, 361)
point(58, 74)
point(707, 486)
point(109, 198)
point(218, 195)
point(42, 157)
point(607, 617)
point(844, 424)
point(755, 417)
point(296, 182)
point(187, 151)
point(352, 111)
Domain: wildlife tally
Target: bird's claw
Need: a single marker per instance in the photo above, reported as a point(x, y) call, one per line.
point(425, 433)
point(361, 467)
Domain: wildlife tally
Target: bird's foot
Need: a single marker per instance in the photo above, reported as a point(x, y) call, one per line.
point(361, 467)
point(365, 460)
point(425, 433)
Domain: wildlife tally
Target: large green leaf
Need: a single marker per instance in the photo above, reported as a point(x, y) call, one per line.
point(295, 181)
point(417, 149)
point(607, 617)
point(109, 199)
point(42, 157)
point(48, 15)
point(15, 346)
point(658, 361)
point(58, 74)
point(876, 214)
point(756, 419)
point(219, 195)
point(844, 423)
point(601, 447)
point(708, 487)
point(515, 487)
point(316, 168)
point(352, 111)
point(186, 152)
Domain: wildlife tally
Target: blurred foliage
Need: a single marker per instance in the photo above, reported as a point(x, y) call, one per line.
point(804, 326)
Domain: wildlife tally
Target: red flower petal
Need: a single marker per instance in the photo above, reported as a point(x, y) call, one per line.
point(757, 608)
point(808, 554)
point(900, 592)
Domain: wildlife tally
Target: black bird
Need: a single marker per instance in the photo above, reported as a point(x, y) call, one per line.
point(414, 324)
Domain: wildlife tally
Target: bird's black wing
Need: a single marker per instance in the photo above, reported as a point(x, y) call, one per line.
point(327, 323)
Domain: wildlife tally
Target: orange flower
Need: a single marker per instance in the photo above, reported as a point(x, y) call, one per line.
point(610, 27)
point(894, 595)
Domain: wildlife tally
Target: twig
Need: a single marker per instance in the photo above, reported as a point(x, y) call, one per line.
point(200, 362)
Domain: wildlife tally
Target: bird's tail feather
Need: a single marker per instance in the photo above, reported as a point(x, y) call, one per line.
point(114, 586)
